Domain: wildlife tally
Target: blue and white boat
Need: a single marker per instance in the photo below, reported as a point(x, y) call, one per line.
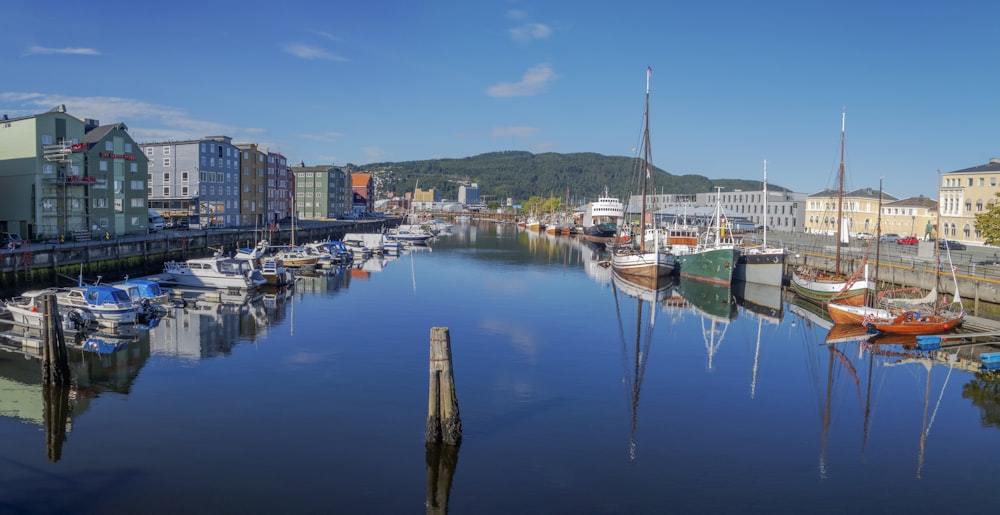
point(108, 305)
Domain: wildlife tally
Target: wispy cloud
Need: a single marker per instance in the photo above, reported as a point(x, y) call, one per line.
point(324, 137)
point(532, 82)
point(517, 131)
point(309, 52)
point(530, 31)
point(325, 35)
point(375, 153)
point(41, 50)
point(146, 121)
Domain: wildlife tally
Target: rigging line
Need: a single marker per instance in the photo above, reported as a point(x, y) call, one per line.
point(952, 358)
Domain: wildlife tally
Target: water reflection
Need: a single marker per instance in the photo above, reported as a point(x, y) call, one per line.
point(645, 293)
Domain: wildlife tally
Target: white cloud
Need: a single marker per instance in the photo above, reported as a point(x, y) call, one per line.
point(513, 131)
point(41, 50)
point(530, 31)
point(532, 83)
point(375, 153)
point(146, 121)
point(325, 137)
point(311, 52)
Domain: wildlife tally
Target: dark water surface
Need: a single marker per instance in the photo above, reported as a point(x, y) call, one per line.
point(316, 402)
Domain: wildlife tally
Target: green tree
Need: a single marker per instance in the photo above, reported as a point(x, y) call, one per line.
point(988, 223)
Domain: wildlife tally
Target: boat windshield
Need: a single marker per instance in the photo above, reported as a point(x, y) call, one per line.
point(232, 266)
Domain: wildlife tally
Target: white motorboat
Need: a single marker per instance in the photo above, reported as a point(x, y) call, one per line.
point(214, 272)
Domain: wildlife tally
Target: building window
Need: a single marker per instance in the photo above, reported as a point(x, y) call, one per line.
point(166, 151)
point(128, 148)
point(166, 191)
point(970, 184)
point(138, 185)
point(109, 146)
point(166, 176)
point(184, 191)
point(47, 168)
point(46, 139)
point(166, 162)
point(138, 202)
point(103, 166)
point(99, 203)
point(133, 167)
point(149, 151)
point(982, 181)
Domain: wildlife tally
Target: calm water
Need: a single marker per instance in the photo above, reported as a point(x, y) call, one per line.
point(571, 403)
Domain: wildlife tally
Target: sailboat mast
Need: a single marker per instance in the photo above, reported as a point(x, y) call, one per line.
point(765, 203)
point(646, 158)
point(840, 189)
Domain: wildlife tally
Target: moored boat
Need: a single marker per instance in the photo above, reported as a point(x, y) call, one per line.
point(214, 272)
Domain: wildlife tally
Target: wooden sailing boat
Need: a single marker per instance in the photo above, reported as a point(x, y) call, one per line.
point(642, 255)
point(899, 315)
point(820, 286)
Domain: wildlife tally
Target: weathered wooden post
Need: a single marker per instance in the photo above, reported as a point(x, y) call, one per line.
point(57, 410)
point(55, 358)
point(443, 421)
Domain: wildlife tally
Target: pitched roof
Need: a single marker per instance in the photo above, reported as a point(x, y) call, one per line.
point(361, 179)
point(992, 166)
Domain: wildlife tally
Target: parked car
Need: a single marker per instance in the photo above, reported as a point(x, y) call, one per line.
point(889, 238)
point(9, 239)
point(951, 244)
point(864, 236)
point(908, 240)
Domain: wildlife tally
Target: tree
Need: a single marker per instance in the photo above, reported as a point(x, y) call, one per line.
point(988, 223)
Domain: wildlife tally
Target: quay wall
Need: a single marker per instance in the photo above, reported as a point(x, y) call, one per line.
point(37, 265)
point(978, 285)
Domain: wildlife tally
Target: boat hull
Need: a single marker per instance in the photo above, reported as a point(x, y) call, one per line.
point(856, 315)
point(643, 264)
point(714, 265)
point(915, 323)
point(826, 288)
point(761, 266)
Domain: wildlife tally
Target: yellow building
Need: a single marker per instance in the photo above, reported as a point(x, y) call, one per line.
point(860, 211)
point(914, 216)
point(965, 193)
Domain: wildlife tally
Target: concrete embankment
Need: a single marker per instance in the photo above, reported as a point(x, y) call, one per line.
point(920, 266)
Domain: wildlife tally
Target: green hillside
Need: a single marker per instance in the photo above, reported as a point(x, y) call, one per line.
point(521, 175)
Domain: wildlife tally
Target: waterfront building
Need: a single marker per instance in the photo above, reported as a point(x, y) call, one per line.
point(860, 211)
point(253, 184)
point(195, 181)
point(279, 188)
point(115, 181)
point(786, 210)
point(964, 194)
point(364, 194)
point(469, 194)
point(910, 217)
point(431, 195)
point(40, 165)
point(322, 192)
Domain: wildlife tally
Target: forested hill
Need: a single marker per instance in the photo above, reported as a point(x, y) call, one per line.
point(521, 175)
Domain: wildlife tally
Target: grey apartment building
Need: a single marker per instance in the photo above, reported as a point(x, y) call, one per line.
point(196, 181)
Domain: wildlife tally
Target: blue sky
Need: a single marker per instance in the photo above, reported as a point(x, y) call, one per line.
point(734, 83)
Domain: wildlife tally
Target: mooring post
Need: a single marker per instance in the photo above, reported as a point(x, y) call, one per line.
point(55, 362)
point(443, 421)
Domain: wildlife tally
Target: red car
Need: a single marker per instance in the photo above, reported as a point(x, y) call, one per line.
point(909, 240)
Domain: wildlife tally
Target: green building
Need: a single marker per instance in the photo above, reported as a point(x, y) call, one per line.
point(63, 177)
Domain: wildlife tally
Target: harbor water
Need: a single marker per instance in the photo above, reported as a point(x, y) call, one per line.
point(578, 394)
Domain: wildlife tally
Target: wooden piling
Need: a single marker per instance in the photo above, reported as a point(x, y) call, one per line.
point(443, 421)
point(55, 358)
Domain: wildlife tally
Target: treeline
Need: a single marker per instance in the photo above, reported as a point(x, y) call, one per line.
point(521, 175)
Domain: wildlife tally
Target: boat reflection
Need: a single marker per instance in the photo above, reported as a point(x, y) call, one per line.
point(716, 306)
point(100, 363)
point(647, 294)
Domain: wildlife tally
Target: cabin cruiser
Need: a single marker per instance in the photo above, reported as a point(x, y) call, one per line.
point(214, 272)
